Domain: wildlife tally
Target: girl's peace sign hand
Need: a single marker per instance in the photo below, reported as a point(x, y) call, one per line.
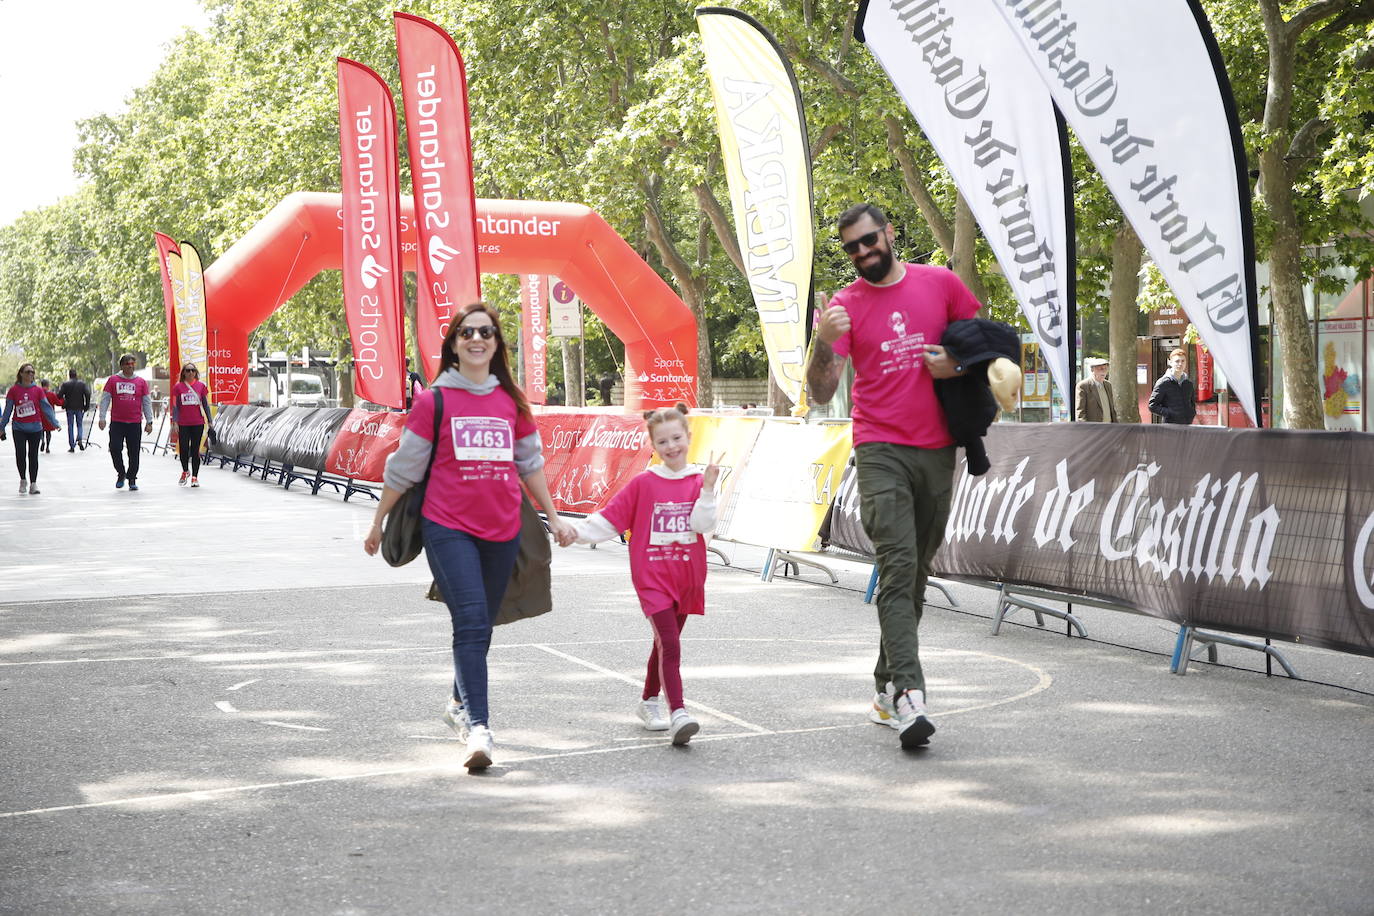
point(712, 472)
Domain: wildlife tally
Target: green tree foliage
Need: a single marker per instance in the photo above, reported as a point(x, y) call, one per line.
point(607, 103)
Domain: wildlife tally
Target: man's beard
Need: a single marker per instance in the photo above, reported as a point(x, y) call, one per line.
point(875, 271)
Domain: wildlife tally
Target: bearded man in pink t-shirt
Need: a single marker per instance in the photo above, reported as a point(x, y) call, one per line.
point(889, 322)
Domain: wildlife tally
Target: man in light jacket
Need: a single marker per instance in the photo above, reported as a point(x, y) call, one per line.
point(1093, 397)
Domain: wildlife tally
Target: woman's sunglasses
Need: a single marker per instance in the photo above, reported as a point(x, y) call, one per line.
point(866, 241)
point(488, 331)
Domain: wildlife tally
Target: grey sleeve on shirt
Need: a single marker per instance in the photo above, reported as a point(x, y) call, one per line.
point(529, 454)
point(405, 467)
point(147, 408)
point(104, 404)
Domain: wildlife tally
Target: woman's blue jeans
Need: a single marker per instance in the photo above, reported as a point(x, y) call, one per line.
point(472, 576)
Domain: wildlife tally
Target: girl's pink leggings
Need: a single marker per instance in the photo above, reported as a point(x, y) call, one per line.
point(666, 659)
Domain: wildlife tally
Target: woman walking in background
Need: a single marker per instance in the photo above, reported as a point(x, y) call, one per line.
point(190, 410)
point(27, 404)
point(56, 401)
point(487, 443)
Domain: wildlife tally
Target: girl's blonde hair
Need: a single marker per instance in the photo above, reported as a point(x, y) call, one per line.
point(677, 413)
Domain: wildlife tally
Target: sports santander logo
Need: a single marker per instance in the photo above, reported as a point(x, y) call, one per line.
point(440, 254)
point(371, 272)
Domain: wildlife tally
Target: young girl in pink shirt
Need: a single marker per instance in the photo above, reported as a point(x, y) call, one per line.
point(669, 509)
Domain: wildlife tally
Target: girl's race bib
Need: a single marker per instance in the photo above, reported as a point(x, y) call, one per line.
point(482, 439)
point(190, 398)
point(671, 524)
point(24, 409)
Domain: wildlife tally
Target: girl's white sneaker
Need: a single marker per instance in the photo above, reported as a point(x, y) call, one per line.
point(652, 715)
point(682, 727)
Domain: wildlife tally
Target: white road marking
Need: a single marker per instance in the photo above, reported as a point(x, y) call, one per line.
point(304, 728)
point(635, 682)
point(225, 706)
point(243, 684)
point(208, 794)
point(314, 653)
point(76, 661)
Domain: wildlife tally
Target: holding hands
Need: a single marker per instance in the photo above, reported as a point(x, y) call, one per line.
point(564, 532)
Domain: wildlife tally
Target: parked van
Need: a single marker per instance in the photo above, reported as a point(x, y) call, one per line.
point(306, 391)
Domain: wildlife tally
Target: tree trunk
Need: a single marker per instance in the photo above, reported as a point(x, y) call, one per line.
point(1122, 319)
point(574, 385)
point(1302, 403)
point(916, 186)
point(778, 401)
point(411, 294)
point(963, 262)
point(343, 370)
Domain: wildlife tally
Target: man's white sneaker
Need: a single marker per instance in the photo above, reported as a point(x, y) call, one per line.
point(480, 747)
point(682, 727)
point(33, 489)
point(456, 715)
point(23, 486)
point(884, 710)
point(914, 728)
point(652, 715)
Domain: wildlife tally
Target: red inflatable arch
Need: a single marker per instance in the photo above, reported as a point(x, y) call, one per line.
point(303, 235)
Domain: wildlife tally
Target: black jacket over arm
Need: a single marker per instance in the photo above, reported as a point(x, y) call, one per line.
point(967, 399)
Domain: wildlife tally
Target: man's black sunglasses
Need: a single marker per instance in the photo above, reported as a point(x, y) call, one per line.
point(867, 241)
point(488, 331)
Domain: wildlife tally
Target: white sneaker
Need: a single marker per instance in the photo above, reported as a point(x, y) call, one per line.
point(185, 476)
point(195, 482)
point(884, 709)
point(480, 746)
point(23, 486)
point(915, 729)
point(456, 715)
point(652, 715)
point(683, 727)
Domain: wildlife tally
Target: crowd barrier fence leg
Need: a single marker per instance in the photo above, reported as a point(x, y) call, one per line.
point(1009, 601)
point(1187, 636)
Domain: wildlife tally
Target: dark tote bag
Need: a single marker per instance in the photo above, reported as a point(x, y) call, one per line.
point(402, 539)
point(530, 590)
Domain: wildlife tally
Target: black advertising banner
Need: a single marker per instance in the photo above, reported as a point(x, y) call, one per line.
point(1264, 532)
point(239, 427)
point(299, 436)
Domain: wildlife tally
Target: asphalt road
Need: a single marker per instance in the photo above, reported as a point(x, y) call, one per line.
point(213, 702)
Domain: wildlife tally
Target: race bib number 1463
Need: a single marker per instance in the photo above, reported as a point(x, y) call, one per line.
point(482, 439)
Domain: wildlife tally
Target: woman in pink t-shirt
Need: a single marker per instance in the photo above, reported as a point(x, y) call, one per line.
point(190, 409)
point(487, 444)
point(668, 509)
point(32, 413)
